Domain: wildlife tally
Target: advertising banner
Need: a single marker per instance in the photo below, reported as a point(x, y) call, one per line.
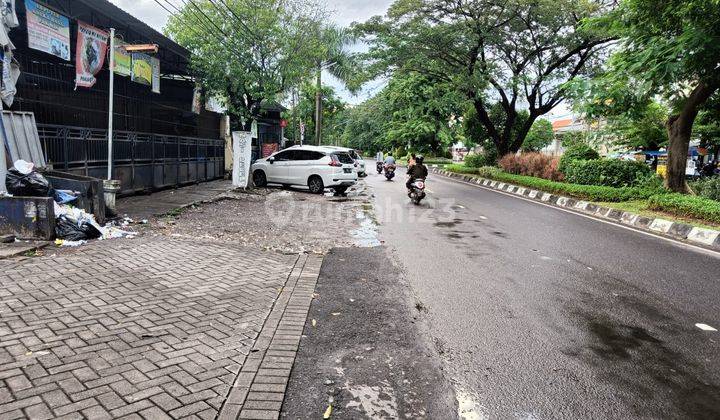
point(242, 155)
point(123, 60)
point(141, 69)
point(48, 31)
point(92, 44)
point(155, 74)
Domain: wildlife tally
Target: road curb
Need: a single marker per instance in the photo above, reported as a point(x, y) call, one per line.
point(707, 238)
point(259, 388)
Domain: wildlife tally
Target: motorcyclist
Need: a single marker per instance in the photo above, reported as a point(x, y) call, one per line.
point(417, 171)
point(412, 161)
point(379, 156)
point(389, 161)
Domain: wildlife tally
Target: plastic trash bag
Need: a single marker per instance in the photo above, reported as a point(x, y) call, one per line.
point(64, 197)
point(27, 185)
point(24, 167)
point(68, 229)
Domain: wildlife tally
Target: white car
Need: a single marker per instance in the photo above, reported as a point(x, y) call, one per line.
point(314, 167)
point(355, 155)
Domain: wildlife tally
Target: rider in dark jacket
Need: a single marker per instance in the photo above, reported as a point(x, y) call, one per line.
point(417, 171)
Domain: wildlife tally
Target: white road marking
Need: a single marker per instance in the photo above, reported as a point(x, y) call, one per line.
point(676, 242)
point(483, 217)
point(705, 327)
point(460, 206)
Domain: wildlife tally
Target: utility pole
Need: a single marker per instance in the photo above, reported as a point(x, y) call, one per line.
point(292, 118)
point(111, 103)
point(318, 108)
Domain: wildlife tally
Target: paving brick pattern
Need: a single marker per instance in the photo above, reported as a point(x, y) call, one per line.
point(148, 328)
point(259, 389)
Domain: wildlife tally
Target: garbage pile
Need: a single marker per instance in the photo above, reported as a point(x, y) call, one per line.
point(73, 226)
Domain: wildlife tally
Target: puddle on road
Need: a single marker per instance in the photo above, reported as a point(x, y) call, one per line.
point(366, 236)
point(468, 407)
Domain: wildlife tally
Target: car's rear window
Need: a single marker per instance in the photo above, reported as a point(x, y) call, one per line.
point(344, 158)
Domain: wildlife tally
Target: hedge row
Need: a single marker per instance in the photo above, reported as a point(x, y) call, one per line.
point(607, 172)
point(686, 206)
point(584, 192)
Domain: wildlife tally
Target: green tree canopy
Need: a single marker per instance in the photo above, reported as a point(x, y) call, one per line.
point(668, 48)
point(644, 129)
point(333, 118)
point(518, 53)
point(539, 136)
point(412, 111)
point(246, 51)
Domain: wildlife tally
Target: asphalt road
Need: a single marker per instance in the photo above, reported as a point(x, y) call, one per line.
point(362, 350)
point(540, 313)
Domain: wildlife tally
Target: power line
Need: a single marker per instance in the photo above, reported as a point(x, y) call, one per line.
point(198, 21)
point(206, 16)
point(237, 18)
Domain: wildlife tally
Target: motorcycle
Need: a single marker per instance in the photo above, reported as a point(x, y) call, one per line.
point(379, 167)
point(389, 172)
point(417, 191)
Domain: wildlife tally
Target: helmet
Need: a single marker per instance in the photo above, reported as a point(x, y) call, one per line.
point(419, 159)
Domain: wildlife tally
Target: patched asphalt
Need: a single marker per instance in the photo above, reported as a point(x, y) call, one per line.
point(364, 351)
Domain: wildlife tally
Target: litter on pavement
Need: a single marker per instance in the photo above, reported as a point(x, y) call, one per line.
point(74, 224)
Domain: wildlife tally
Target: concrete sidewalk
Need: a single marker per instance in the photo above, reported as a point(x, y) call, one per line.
point(159, 203)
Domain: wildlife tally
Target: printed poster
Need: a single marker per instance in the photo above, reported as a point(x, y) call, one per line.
point(141, 69)
point(90, 50)
point(123, 59)
point(48, 31)
point(155, 74)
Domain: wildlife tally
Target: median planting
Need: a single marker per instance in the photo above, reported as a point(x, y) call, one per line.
point(583, 175)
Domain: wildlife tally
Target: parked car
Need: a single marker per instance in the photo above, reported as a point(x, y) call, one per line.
point(355, 155)
point(314, 167)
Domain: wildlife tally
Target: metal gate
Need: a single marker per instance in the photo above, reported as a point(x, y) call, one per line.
point(141, 161)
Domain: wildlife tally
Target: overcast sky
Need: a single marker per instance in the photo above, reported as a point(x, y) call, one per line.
point(346, 12)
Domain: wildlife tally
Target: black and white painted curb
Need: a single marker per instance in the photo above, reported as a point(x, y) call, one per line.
point(708, 238)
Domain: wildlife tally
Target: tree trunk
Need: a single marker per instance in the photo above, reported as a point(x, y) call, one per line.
point(318, 108)
point(522, 134)
point(679, 131)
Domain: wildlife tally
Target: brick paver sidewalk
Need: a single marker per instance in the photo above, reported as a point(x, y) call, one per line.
point(145, 328)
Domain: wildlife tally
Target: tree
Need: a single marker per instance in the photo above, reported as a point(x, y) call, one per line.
point(422, 111)
point(365, 127)
point(644, 129)
point(333, 112)
point(244, 51)
point(707, 126)
point(668, 48)
point(411, 112)
point(518, 53)
point(329, 52)
point(539, 136)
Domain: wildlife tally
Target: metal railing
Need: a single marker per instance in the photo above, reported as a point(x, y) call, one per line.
point(141, 161)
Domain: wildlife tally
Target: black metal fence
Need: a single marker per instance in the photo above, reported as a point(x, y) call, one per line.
point(141, 161)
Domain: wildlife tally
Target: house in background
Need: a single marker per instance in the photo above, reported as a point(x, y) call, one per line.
point(568, 125)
